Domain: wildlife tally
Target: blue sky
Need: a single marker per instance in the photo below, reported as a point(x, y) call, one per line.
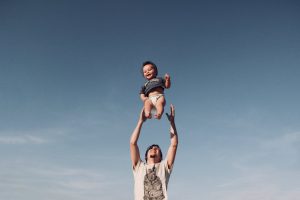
point(69, 83)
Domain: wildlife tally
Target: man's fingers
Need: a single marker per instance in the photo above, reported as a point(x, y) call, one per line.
point(172, 110)
point(172, 113)
point(168, 116)
point(142, 115)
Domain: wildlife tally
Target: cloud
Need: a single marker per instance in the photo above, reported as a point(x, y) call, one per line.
point(39, 136)
point(82, 185)
point(282, 142)
point(267, 170)
point(73, 179)
point(24, 139)
point(53, 181)
point(66, 172)
point(253, 182)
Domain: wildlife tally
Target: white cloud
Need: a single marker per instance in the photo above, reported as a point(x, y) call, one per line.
point(283, 141)
point(67, 172)
point(73, 179)
point(56, 182)
point(257, 182)
point(82, 185)
point(268, 170)
point(39, 136)
point(24, 139)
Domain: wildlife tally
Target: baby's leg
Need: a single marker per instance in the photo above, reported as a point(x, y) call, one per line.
point(147, 108)
point(160, 104)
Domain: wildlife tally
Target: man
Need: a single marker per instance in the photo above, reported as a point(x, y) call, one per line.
point(152, 176)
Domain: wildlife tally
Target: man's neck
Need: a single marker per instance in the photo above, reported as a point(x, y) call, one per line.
point(152, 162)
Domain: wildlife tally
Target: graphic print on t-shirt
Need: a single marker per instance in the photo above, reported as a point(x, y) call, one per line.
point(152, 186)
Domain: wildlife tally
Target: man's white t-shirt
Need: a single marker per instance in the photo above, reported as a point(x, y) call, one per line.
point(151, 181)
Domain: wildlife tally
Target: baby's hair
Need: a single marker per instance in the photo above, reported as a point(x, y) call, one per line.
point(150, 147)
point(149, 63)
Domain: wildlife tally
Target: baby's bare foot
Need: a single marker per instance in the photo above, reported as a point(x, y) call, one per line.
point(148, 115)
point(157, 116)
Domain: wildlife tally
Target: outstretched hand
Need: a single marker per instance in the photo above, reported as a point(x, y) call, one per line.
point(171, 116)
point(142, 115)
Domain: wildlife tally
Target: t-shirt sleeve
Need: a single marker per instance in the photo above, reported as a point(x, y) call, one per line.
point(137, 170)
point(142, 91)
point(167, 169)
point(134, 169)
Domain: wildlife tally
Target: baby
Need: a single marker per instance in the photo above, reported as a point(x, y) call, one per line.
point(152, 92)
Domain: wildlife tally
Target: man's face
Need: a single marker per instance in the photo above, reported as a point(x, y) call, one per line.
point(154, 153)
point(149, 71)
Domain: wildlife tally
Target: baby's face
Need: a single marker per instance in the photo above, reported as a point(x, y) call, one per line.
point(149, 71)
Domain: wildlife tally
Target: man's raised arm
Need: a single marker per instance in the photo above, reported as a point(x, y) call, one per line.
point(134, 149)
point(174, 138)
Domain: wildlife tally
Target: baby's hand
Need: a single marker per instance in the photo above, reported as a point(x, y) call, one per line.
point(167, 76)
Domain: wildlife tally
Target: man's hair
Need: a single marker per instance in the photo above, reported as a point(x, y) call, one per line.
point(149, 63)
point(150, 147)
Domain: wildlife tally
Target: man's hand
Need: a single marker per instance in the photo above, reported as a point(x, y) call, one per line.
point(174, 138)
point(134, 149)
point(142, 115)
point(171, 116)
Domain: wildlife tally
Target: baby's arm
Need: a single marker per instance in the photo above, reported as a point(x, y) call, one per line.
point(143, 97)
point(142, 94)
point(167, 81)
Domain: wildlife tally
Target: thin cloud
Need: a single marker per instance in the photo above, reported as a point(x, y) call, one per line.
point(261, 172)
point(25, 139)
point(49, 179)
point(39, 136)
point(260, 183)
point(283, 141)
